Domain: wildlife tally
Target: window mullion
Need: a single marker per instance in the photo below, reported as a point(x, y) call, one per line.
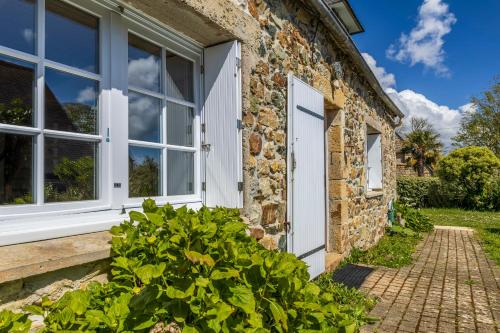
point(164, 123)
point(39, 105)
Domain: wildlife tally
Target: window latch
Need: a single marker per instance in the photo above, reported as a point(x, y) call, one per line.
point(206, 147)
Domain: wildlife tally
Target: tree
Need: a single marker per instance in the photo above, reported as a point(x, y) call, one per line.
point(423, 145)
point(481, 125)
point(474, 172)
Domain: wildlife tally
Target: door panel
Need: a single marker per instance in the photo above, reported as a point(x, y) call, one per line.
point(307, 172)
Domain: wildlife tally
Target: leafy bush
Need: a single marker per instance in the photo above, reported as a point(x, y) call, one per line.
point(415, 191)
point(201, 272)
point(414, 219)
point(14, 322)
point(474, 171)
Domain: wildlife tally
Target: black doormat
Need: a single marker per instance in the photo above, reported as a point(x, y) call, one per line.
point(351, 275)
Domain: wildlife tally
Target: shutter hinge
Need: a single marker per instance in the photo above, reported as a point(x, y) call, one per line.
point(238, 63)
point(202, 69)
point(203, 186)
point(294, 162)
point(240, 186)
point(239, 124)
point(203, 128)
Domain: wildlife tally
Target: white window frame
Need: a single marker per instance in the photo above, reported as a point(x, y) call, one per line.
point(114, 25)
point(372, 131)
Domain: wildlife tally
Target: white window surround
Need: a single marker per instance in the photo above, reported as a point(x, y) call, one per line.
point(374, 162)
point(50, 220)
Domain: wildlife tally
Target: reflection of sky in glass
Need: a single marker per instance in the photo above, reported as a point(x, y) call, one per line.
point(139, 154)
point(144, 117)
point(143, 64)
point(71, 102)
point(17, 25)
point(72, 36)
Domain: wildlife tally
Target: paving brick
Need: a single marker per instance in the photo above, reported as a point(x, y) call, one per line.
point(435, 293)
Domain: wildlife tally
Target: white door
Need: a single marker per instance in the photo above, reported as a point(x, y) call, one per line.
point(306, 175)
point(222, 143)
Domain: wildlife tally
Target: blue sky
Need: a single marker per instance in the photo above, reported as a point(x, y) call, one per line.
point(431, 56)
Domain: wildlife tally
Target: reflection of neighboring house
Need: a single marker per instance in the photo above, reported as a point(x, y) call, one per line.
point(403, 169)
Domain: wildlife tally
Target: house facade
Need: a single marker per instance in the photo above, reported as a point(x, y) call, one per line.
point(262, 105)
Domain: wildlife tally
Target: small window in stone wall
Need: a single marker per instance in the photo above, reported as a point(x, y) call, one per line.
point(374, 172)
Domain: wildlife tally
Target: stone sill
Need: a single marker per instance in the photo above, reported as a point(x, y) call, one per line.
point(24, 260)
point(374, 194)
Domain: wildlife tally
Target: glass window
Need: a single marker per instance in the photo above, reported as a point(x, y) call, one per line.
point(144, 122)
point(144, 172)
point(17, 24)
point(70, 170)
point(16, 169)
point(70, 102)
point(144, 64)
point(71, 36)
point(179, 77)
point(180, 172)
point(17, 83)
point(179, 125)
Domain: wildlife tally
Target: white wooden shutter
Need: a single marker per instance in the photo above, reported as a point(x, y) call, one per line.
point(374, 146)
point(222, 137)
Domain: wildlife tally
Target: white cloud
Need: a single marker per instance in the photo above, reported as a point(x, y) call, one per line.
point(86, 95)
point(424, 44)
point(144, 73)
point(144, 116)
point(28, 35)
point(445, 120)
point(387, 80)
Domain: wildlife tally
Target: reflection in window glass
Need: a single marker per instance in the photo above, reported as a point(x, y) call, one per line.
point(16, 169)
point(17, 24)
point(144, 172)
point(17, 81)
point(179, 77)
point(179, 125)
point(144, 117)
point(180, 172)
point(72, 36)
point(70, 170)
point(143, 64)
point(70, 102)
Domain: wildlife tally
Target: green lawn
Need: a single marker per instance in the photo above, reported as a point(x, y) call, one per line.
point(487, 225)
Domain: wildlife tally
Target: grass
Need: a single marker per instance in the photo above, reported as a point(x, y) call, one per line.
point(344, 295)
point(393, 250)
point(486, 224)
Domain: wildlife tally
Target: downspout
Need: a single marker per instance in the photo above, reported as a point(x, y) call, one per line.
point(346, 43)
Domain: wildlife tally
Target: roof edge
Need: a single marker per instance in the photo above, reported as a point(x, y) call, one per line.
point(343, 38)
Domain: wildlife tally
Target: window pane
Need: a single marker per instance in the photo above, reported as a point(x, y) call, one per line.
point(71, 36)
point(143, 64)
point(144, 172)
point(179, 77)
point(17, 24)
point(180, 172)
point(16, 169)
point(70, 170)
point(144, 117)
point(70, 102)
point(179, 125)
point(17, 84)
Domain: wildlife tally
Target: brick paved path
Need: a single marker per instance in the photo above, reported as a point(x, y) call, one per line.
point(451, 287)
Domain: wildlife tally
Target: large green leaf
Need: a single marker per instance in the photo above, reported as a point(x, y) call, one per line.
point(243, 298)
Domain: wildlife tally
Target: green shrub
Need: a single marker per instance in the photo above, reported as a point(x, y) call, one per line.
point(202, 272)
point(14, 322)
point(414, 219)
point(414, 191)
point(475, 172)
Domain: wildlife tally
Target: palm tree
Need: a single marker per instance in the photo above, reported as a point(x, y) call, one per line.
point(423, 144)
